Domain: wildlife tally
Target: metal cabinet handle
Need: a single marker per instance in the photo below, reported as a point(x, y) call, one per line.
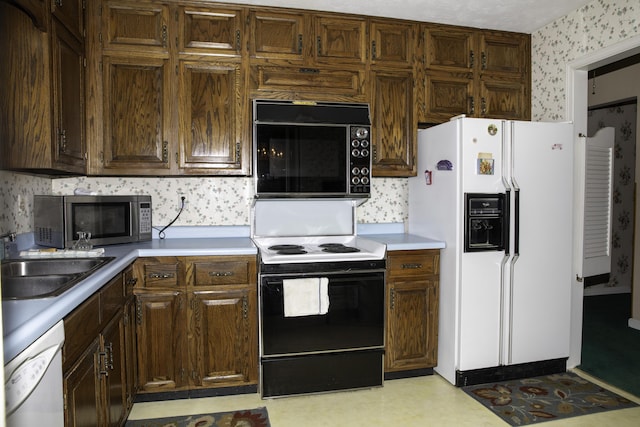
point(373, 50)
point(472, 105)
point(472, 58)
point(161, 275)
point(299, 43)
point(238, 41)
point(319, 45)
point(483, 106)
point(412, 266)
point(164, 35)
point(102, 356)
point(245, 307)
point(220, 273)
point(392, 303)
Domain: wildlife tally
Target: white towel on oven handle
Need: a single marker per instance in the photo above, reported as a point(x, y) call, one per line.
point(308, 296)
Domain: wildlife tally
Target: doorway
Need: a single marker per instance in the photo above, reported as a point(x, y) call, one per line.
point(578, 87)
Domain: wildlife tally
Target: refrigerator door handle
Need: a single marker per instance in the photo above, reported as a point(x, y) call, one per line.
point(516, 223)
point(506, 220)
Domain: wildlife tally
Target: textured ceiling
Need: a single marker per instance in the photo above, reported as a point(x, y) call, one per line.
point(524, 16)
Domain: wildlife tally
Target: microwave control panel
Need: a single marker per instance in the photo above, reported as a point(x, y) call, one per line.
point(145, 218)
point(360, 159)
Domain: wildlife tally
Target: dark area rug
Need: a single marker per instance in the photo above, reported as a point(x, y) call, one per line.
point(546, 398)
point(246, 418)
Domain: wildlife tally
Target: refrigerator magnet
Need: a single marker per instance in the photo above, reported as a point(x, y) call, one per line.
point(427, 177)
point(485, 164)
point(444, 165)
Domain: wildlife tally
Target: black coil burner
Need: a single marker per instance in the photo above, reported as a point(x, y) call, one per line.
point(338, 248)
point(288, 249)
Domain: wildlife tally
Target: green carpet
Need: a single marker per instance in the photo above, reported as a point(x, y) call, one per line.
point(610, 348)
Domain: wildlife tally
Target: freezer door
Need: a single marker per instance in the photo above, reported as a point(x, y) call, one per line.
point(537, 299)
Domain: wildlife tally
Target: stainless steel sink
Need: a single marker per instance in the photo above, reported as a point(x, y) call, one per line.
point(44, 278)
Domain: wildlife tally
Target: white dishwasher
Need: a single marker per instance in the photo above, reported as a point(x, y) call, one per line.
point(33, 382)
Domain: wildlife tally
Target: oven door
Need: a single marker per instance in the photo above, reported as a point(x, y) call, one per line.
point(354, 318)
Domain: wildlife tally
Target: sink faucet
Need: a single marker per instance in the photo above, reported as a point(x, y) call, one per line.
point(11, 235)
point(6, 248)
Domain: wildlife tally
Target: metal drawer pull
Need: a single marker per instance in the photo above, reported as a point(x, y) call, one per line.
point(412, 266)
point(220, 273)
point(161, 275)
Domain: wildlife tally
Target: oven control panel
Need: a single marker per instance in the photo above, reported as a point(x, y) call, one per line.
point(360, 159)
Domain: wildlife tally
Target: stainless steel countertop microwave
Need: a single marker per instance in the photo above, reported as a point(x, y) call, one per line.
point(109, 219)
point(311, 149)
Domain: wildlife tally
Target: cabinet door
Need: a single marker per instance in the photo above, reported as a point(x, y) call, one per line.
point(412, 330)
point(278, 35)
point(82, 390)
point(129, 25)
point(213, 118)
point(505, 53)
point(504, 99)
point(71, 14)
point(136, 126)
point(392, 43)
point(340, 39)
point(161, 341)
point(68, 104)
point(449, 94)
point(25, 92)
point(209, 31)
point(394, 124)
point(450, 49)
point(223, 327)
point(112, 352)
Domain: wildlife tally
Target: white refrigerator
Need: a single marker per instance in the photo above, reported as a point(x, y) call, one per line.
point(504, 313)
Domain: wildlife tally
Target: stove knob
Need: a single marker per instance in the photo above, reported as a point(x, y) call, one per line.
point(365, 171)
point(355, 143)
point(355, 152)
point(364, 180)
point(355, 180)
point(355, 171)
point(364, 152)
point(364, 144)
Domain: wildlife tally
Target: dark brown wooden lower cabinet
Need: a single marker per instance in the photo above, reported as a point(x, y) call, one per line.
point(412, 310)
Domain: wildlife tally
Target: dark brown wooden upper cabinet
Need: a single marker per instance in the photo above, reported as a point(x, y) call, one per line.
point(128, 25)
point(71, 14)
point(206, 31)
point(277, 35)
point(450, 48)
point(504, 53)
point(393, 43)
point(340, 39)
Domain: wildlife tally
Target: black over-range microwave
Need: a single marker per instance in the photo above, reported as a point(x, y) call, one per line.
point(311, 149)
point(109, 219)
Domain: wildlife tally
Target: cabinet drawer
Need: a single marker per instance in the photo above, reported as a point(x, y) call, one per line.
point(307, 79)
point(112, 297)
point(81, 327)
point(413, 263)
point(157, 273)
point(220, 273)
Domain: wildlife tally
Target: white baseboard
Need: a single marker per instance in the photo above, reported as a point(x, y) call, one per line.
point(634, 323)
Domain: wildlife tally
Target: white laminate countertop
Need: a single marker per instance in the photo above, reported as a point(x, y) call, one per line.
point(26, 320)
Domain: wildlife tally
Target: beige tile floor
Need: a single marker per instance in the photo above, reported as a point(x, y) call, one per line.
point(420, 402)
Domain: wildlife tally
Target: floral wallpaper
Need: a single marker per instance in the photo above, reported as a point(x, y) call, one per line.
point(596, 25)
point(209, 201)
point(623, 119)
